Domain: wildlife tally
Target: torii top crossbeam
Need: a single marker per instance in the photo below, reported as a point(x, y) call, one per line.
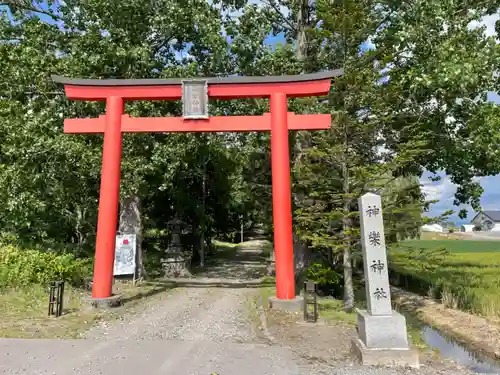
point(195, 94)
point(315, 84)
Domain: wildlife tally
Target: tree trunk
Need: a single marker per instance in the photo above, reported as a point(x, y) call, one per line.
point(79, 225)
point(346, 226)
point(299, 141)
point(302, 23)
point(348, 285)
point(131, 223)
point(241, 229)
point(202, 219)
point(301, 257)
point(202, 248)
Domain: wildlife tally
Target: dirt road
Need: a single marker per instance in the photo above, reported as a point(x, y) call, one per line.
point(202, 327)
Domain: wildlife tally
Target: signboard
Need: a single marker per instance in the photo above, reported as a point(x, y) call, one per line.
point(195, 99)
point(125, 250)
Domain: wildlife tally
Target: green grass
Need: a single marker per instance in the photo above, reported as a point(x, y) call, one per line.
point(469, 281)
point(24, 311)
point(269, 290)
point(465, 276)
point(225, 245)
point(456, 246)
point(24, 314)
point(331, 310)
point(266, 292)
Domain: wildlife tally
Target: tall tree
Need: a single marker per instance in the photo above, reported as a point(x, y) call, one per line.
point(98, 39)
point(398, 109)
point(439, 70)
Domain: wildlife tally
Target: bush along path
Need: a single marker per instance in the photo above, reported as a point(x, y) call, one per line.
point(203, 325)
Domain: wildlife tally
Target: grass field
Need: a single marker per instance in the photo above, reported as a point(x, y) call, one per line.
point(455, 246)
point(463, 274)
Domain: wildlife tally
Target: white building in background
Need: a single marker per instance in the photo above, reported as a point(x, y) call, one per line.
point(467, 228)
point(432, 228)
point(488, 221)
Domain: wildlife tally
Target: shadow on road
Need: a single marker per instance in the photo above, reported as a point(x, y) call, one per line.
point(235, 267)
point(244, 262)
point(210, 283)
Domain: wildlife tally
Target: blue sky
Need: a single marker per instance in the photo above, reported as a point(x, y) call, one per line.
point(442, 190)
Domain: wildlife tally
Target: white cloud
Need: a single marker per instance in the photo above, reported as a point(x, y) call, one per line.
point(285, 11)
point(184, 54)
point(494, 97)
point(489, 22)
point(261, 3)
point(491, 196)
point(444, 191)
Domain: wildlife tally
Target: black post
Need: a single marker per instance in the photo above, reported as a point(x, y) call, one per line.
point(56, 294)
point(60, 294)
point(310, 298)
point(52, 288)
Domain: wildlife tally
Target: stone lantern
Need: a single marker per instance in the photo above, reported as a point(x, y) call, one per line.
point(177, 261)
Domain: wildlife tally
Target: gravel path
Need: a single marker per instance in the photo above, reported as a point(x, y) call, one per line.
point(200, 328)
point(213, 305)
point(189, 314)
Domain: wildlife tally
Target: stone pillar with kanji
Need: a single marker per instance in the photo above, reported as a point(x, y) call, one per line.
point(383, 338)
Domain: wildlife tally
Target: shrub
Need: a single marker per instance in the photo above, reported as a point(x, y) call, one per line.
point(326, 277)
point(24, 267)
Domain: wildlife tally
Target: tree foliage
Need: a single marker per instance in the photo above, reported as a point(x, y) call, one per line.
point(412, 98)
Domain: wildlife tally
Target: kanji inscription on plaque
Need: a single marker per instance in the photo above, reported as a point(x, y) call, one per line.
point(195, 99)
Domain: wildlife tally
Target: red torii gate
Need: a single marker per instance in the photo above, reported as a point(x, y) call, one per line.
point(116, 91)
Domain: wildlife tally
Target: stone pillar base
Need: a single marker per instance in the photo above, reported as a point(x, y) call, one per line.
point(288, 305)
point(106, 303)
point(382, 331)
point(383, 340)
point(384, 357)
point(175, 266)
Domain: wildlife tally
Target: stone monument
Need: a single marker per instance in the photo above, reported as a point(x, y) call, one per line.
point(177, 261)
point(382, 332)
